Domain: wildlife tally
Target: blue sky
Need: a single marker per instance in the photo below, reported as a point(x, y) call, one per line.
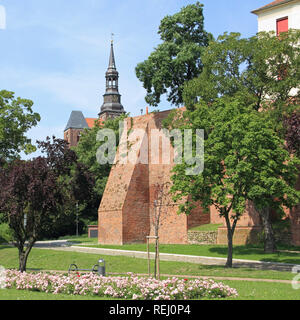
point(56, 52)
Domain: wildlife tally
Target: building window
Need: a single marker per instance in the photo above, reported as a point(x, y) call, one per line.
point(282, 25)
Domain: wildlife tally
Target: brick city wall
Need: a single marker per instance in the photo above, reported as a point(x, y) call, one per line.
point(126, 213)
point(127, 208)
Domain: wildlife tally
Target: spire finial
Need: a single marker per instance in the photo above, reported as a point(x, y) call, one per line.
point(112, 63)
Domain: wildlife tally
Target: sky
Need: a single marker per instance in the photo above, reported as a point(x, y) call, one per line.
point(56, 52)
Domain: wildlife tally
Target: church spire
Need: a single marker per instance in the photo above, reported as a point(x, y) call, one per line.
point(112, 106)
point(112, 62)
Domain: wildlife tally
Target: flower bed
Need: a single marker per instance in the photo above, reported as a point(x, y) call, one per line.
point(131, 287)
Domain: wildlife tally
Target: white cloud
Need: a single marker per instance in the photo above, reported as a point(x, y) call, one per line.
point(2, 17)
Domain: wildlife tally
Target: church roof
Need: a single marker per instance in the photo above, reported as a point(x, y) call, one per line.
point(91, 121)
point(271, 5)
point(76, 121)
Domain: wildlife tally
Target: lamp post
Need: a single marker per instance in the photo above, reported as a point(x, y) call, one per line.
point(77, 216)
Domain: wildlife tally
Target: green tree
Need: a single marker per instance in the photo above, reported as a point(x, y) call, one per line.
point(244, 160)
point(178, 58)
point(292, 125)
point(16, 118)
point(260, 70)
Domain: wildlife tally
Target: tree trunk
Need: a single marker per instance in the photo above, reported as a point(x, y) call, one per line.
point(156, 256)
point(270, 245)
point(23, 255)
point(230, 249)
point(230, 243)
point(22, 260)
point(230, 233)
point(157, 273)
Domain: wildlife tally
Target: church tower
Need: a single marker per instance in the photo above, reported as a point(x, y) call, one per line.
point(112, 106)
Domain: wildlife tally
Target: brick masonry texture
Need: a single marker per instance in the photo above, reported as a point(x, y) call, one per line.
point(72, 136)
point(127, 208)
point(126, 212)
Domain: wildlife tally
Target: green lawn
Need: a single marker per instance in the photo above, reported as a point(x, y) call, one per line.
point(247, 252)
point(13, 294)
point(40, 259)
point(263, 291)
point(207, 227)
point(239, 252)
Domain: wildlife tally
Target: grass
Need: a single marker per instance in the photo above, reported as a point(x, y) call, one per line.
point(41, 259)
point(13, 294)
point(207, 227)
point(248, 252)
point(263, 291)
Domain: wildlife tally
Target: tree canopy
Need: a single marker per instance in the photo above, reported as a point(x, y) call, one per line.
point(244, 160)
point(292, 125)
point(16, 118)
point(261, 72)
point(262, 69)
point(178, 58)
point(36, 195)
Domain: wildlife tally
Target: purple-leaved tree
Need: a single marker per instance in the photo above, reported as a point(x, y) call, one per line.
point(34, 192)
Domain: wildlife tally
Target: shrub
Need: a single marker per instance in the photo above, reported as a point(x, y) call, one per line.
point(130, 287)
point(6, 234)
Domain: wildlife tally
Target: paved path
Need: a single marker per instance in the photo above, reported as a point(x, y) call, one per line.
point(67, 246)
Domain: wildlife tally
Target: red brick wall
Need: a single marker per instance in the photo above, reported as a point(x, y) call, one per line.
point(173, 227)
point(127, 207)
point(198, 217)
point(215, 216)
point(123, 212)
point(110, 227)
point(136, 222)
point(71, 135)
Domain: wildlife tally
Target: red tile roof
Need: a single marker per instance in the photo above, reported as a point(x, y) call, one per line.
point(91, 122)
point(272, 4)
